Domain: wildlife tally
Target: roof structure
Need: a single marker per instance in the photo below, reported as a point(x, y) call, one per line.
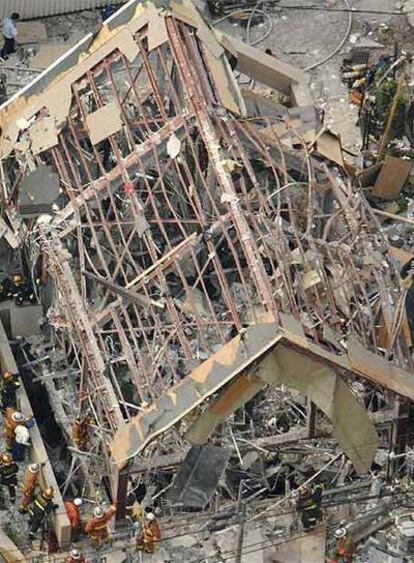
point(193, 234)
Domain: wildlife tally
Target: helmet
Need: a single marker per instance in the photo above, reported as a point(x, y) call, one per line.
point(340, 533)
point(48, 493)
point(6, 459)
point(75, 554)
point(17, 279)
point(150, 516)
point(98, 512)
point(304, 490)
point(17, 417)
point(77, 501)
point(34, 468)
point(7, 375)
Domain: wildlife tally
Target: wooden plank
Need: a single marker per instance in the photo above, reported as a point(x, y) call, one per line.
point(392, 177)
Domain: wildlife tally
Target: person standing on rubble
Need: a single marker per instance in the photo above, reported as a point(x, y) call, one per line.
point(39, 510)
point(8, 475)
point(12, 420)
point(9, 34)
point(309, 505)
point(72, 510)
point(150, 535)
point(79, 431)
point(96, 528)
point(75, 556)
point(9, 385)
point(344, 549)
point(30, 482)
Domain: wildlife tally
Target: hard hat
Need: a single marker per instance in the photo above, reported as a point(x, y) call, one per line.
point(150, 516)
point(6, 459)
point(34, 468)
point(77, 501)
point(75, 554)
point(98, 512)
point(17, 278)
point(48, 493)
point(304, 489)
point(340, 533)
point(17, 417)
point(7, 375)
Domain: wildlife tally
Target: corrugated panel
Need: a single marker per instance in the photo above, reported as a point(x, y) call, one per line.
point(29, 9)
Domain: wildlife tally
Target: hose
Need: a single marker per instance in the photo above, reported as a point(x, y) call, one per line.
point(341, 44)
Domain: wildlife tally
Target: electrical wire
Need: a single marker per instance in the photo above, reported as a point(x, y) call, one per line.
point(339, 46)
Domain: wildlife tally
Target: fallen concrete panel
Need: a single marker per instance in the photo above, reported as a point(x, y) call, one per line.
point(182, 398)
point(351, 424)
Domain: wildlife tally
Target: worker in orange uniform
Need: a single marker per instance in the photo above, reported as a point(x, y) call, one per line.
point(150, 535)
point(12, 420)
point(97, 529)
point(344, 550)
point(79, 429)
point(72, 510)
point(75, 557)
point(30, 482)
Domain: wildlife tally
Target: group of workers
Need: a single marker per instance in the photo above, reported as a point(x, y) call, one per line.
point(38, 505)
point(309, 507)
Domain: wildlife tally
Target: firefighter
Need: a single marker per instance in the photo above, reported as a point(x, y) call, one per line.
point(75, 557)
point(10, 384)
point(8, 475)
point(150, 535)
point(12, 420)
point(96, 528)
point(72, 510)
point(80, 432)
point(39, 509)
point(30, 482)
point(309, 505)
point(344, 550)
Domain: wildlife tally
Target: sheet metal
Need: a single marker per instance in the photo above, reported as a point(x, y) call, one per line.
point(39, 8)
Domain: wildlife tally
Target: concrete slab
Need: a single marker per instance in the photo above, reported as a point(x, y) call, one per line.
point(306, 549)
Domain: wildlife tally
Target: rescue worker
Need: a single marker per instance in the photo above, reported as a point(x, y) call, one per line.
point(96, 528)
point(80, 432)
point(150, 535)
point(10, 384)
point(12, 420)
point(75, 557)
point(8, 475)
point(72, 510)
point(39, 509)
point(30, 482)
point(21, 443)
point(309, 505)
point(344, 550)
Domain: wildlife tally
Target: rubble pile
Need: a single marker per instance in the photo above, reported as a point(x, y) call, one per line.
point(222, 324)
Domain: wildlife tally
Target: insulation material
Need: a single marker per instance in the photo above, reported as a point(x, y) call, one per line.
point(43, 135)
point(330, 393)
point(104, 122)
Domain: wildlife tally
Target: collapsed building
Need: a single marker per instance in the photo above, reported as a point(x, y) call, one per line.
point(199, 247)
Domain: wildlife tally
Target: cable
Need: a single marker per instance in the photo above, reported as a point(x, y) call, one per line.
point(340, 45)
